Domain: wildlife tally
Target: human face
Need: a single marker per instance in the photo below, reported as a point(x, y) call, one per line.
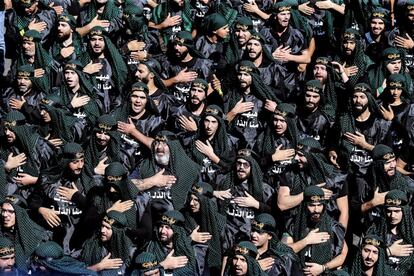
point(24, 84)
point(194, 204)
point(312, 100)
point(260, 239)
point(390, 167)
point(102, 138)
point(283, 18)
point(162, 153)
point(64, 30)
point(245, 79)
point(394, 67)
point(143, 74)
point(10, 136)
point(106, 231)
point(280, 125)
point(315, 209)
point(98, 44)
point(154, 272)
point(71, 78)
point(300, 157)
point(197, 95)
point(377, 26)
point(242, 36)
point(30, 10)
point(369, 255)
point(243, 169)
point(254, 49)
point(394, 215)
point(396, 93)
point(410, 17)
point(349, 47)
point(223, 32)
point(76, 166)
point(181, 51)
point(239, 265)
point(138, 102)
point(179, 3)
point(7, 263)
point(165, 233)
point(360, 101)
point(45, 116)
point(320, 73)
point(8, 215)
point(210, 125)
point(29, 48)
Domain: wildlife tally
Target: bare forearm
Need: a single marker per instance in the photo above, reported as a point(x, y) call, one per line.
point(287, 202)
point(338, 260)
point(298, 246)
point(147, 141)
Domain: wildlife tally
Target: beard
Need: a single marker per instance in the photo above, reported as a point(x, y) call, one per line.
point(162, 160)
point(359, 111)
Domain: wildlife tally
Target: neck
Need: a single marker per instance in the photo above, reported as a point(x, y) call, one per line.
point(151, 87)
point(213, 39)
point(197, 110)
point(247, 91)
point(187, 58)
point(363, 116)
point(369, 272)
point(396, 102)
point(376, 38)
point(280, 30)
point(258, 61)
point(68, 41)
point(263, 249)
point(394, 230)
point(76, 88)
point(137, 116)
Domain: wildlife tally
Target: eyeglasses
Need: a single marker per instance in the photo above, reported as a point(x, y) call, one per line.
point(245, 165)
point(5, 211)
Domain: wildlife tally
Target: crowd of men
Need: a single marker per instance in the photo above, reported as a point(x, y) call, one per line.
point(201, 137)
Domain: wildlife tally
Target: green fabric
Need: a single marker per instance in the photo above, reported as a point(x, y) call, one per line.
point(50, 255)
point(161, 11)
point(26, 141)
point(291, 133)
point(112, 150)
point(379, 178)
point(211, 221)
point(253, 267)
point(377, 74)
point(118, 66)
point(258, 88)
point(28, 234)
point(321, 253)
point(181, 245)
point(119, 245)
point(381, 267)
point(213, 22)
point(219, 141)
point(254, 181)
point(62, 122)
point(181, 166)
point(86, 88)
point(405, 228)
point(110, 12)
